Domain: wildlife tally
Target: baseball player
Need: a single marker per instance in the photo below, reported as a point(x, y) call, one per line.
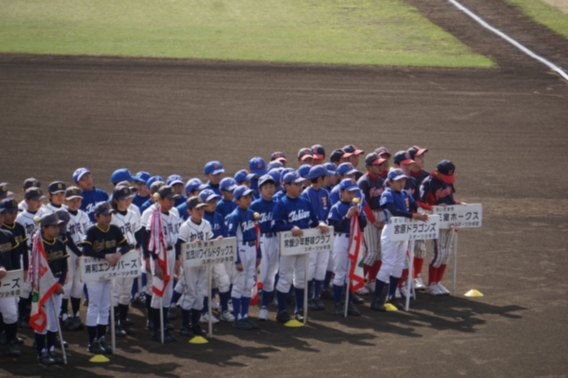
point(340, 218)
point(318, 154)
point(92, 195)
point(281, 193)
point(294, 214)
point(177, 183)
point(305, 156)
point(304, 172)
point(143, 191)
point(339, 157)
point(104, 241)
point(4, 192)
point(151, 200)
point(395, 202)
point(353, 157)
point(214, 172)
point(264, 206)
point(438, 190)
point(28, 183)
point(384, 153)
point(10, 260)
point(193, 187)
point(372, 186)
point(319, 199)
point(279, 156)
point(241, 224)
point(56, 195)
point(257, 166)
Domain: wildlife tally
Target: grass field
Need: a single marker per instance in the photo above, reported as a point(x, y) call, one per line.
point(544, 14)
point(361, 32)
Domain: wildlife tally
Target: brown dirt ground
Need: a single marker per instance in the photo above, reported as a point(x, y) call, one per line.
point(504, 128)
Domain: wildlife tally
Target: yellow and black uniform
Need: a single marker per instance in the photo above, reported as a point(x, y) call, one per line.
point(10, 260)
point(99, 242)
point(57, 258)
point(19, 233)
point(9, 250)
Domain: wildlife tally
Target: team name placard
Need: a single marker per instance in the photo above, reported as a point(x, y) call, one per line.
point(11, 285)
point(93, 269)
point(459, 216)
point(401, 228)
point(209, 252)
point(312, 241)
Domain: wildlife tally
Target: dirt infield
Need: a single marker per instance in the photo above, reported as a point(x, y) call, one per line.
point(505, 129)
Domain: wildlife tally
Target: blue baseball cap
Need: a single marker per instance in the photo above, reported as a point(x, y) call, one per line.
point(257, 166)
point(213, 167)
point(8, 205)
point(174, 179)
point(347, 184)
point(194, 184)
point(228, 183)
point(266, 178)
point(292, 177)
point(275, 174)
point(318, 171)
point(208, 195)
point(396, 174)
point(304, 170)
point(274, 164)
point(142, 176)
point(285, 171)
point(243, 175)
point(122, 174)
point(241, 191)
point(346, 169)
point(154, 179)
point(80, 172)
point(331, 168)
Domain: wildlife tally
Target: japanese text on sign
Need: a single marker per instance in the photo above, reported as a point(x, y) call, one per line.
point(401, 228)
point(459, 216)
point(93, 269)
point(312, 241)
point(12, 283)
point(209, 252)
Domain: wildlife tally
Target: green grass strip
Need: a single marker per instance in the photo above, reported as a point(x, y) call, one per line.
point(544, 14)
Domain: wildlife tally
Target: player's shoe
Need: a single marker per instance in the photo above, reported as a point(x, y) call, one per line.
point(404, 290)
point(299, 315)
point(205, 318)
point(198, 331)
point(397, 293)
point(76, 324)
point(378, 305)
point(327, 293)
point(168, 337)
point(104, 345)
point(352, 310)
point(214, 304)
point(263, 314)
point(13, 350)
point(55, 357)
point(283, 317)
point(249, 321)
point(96, 348)
point(338, 309)
point(443, 289)
point(362, 291)
point(419, 284)
point(320, 304)
point(139, 301)
point(172, 313)
point(128, 322)
point(396, 304)
point(242, 324)
point(45, 359)
point(312, 305)
point(433, 289)
point(186, 331)
point(118, 330)
point(226, 316)
point(58, 342)
point(357, 299)
point(129, 330)
point(371, 286)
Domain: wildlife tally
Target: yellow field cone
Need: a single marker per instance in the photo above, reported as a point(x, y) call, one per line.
point(293, 323)
point(99, 358)
point(390, 307)
point(473, 293)
point(198, 340)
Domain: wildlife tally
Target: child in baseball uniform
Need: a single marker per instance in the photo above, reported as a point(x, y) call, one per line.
point(384, 153)
point(257, 167)
point(214, 172)
point(318, 154)
point(241, 224)
point(279, 156)
point(340, 218)
point(28, 183)
point(193, 187)
point(56, 195)
point(103, 241)
point(244, 177)
point(226, 205)
point(143, 191)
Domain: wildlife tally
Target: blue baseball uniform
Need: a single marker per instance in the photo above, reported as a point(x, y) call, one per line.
point(90, 199)
point(225, 208)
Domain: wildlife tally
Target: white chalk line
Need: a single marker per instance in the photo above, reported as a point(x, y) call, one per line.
point(480, 21)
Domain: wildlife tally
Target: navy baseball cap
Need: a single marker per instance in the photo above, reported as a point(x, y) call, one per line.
point(154, 179)
point(167, 191)
point(56, 187)
point(174, 179)
point(396, 174)
point(103, 208)
point(275, 174)
point(31, 182)
point(213, 168)
point(129, 185)
point(416, 151)
point(274, 164)
point(338, 154)
point(267, 178)
point(318, 151)
point(194, 184)
point(73, 192)
point(142, 176)
point(348, 184)
point(374, 159)
point(8, 205)
point(80, 172)
point(304, 170)
point(34, 194)
point(156, 185)
point(292, 177)
point(257, 166)
point(446, 169)
point(402, 157)
point(195, 202)
point(243, 175)
point(318, 171)
point(278, 156)
point(52, 219)
point(382, 151)
point(4, 192)
point(122, 174)
point(63, 215)
point(346, 169)
point(208, 195)
point(305, 153)
point(228, 183)
point(122, 193)
point(351, 149)
point(241, 191)
point(331, 168)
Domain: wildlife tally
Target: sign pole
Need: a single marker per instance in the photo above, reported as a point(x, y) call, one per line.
point(306, 286)
point(455, 262)
point(410, 273)
point(347, 287)
point(209, 278)
point(112, 322)
point(59, 330)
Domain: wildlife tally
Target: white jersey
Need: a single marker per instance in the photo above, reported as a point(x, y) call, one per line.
point(145, 217)
point(26, 219)
point(135, 210)
point(22, 206)
point(170, 224)
point(190, 231)
point(48, 209)
point(78, 226)
point(128, 223)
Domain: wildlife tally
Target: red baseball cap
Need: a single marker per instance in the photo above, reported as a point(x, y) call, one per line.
point(416, 151)
point(305, 153)
point(351, 149)
point(446, 170)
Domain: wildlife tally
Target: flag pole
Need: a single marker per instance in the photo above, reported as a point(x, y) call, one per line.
point(112, 320)
point(306, 291)
point(162, 319)
point(59, 330)
point(410, 273)
point(209, 278)
point(347, 286)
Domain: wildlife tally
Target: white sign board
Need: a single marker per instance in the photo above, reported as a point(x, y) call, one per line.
point(312, 241)
point(94, 269)
point(12, 283)
point(209, 252)
point(459, 216)
point(401, 228)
